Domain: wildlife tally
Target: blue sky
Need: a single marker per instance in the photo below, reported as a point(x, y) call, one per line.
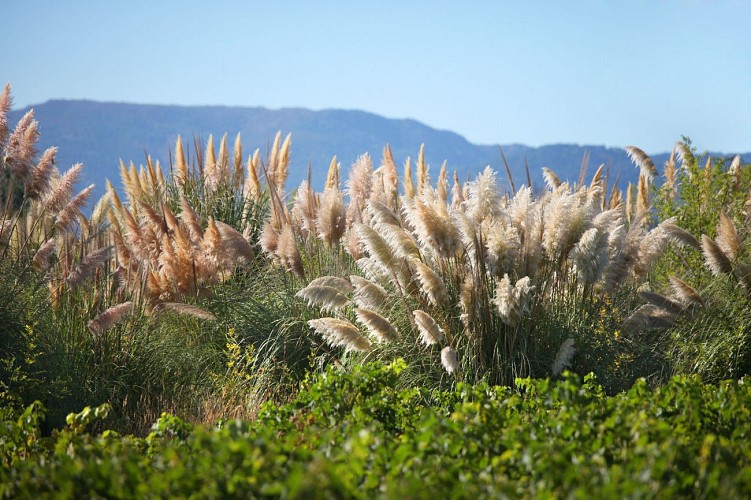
point(612, 73)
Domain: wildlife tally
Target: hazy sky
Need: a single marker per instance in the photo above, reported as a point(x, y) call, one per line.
point(612, 73)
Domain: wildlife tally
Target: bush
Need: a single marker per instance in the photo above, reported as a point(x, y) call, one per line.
point(357, 436)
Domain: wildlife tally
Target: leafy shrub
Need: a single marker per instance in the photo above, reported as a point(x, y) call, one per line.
point(357, 436)
point(702, 306)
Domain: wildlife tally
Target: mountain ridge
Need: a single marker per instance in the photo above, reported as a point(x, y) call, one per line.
point(100, 134)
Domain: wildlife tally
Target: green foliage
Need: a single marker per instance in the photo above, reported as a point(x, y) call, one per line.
point(355, 435)
point(714, 340)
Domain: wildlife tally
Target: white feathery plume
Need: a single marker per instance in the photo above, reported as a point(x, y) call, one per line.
point(339, 332)
point(520, 206)
point(368, 295)
point(714, 257)
point(590, 255)
point(503, 243)
point(433, 225)
point(235, 248)
point(42, 256)
point(727, 237)
point(379, 326)
point(374, 270)
point(305, 208)
point(381, 214)
point(685, 293)
point(331, 221)
point(399, 240)
point(449, 359)
point(484, 198)
point(662, 302)
point(340, 284)
point(643, 161)
point(39, 181)
point(684, 154)
point(325, 297)
point(647, 317)
point(61, 189)
point(551, 179)
point(512, 301)
point(650, 247)
point(359, 185)
point(680, 236)
point(565, 221)
point(352, 244)
point(564, 356)
point(432, 284)
point(430, 332)
point(374, 243)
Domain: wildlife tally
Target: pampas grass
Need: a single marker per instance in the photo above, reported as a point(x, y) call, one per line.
point(379, 326)
point(111, 317)
point(715, 258)
point(685, 293)
point(430, 332)
point(187, 309)
point(368, 295)
point(340, 333)
point(727, 238)
point(564, 357)
point(85, 270)
point(643, 161)
point(450, 359)
point(432, 284)
point(325, 297)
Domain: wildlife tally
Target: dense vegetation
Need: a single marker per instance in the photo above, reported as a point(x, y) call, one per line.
point(357, 436)
point(435, 313)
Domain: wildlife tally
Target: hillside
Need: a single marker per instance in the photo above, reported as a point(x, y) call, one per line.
point(100, 134)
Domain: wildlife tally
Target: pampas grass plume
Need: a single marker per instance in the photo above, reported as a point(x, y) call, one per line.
point(326, 297)
point(680, 236)
point(187, 309)
point(430, 332)
point(643, 161)
point(288, 252)
point(88, 264)
point(551, 179)
point(182, 175)
point(564, 356)
point(661, 301)
point(62, 188)
point(5, 103)
point(374, 243)
point(339, 332)
point(42, 255)
point(714, 257)
point(449, 359)
point(340, 284)
point(685, 293)
point(110, 318)
point(368, 295)
point(67, 215)
point(727, 237)
point(379, 326)
point(39, 181)
point(431, 284)
point(332, 176)
point(331, 221)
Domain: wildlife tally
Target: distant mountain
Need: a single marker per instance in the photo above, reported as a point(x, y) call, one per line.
point(100, 134)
